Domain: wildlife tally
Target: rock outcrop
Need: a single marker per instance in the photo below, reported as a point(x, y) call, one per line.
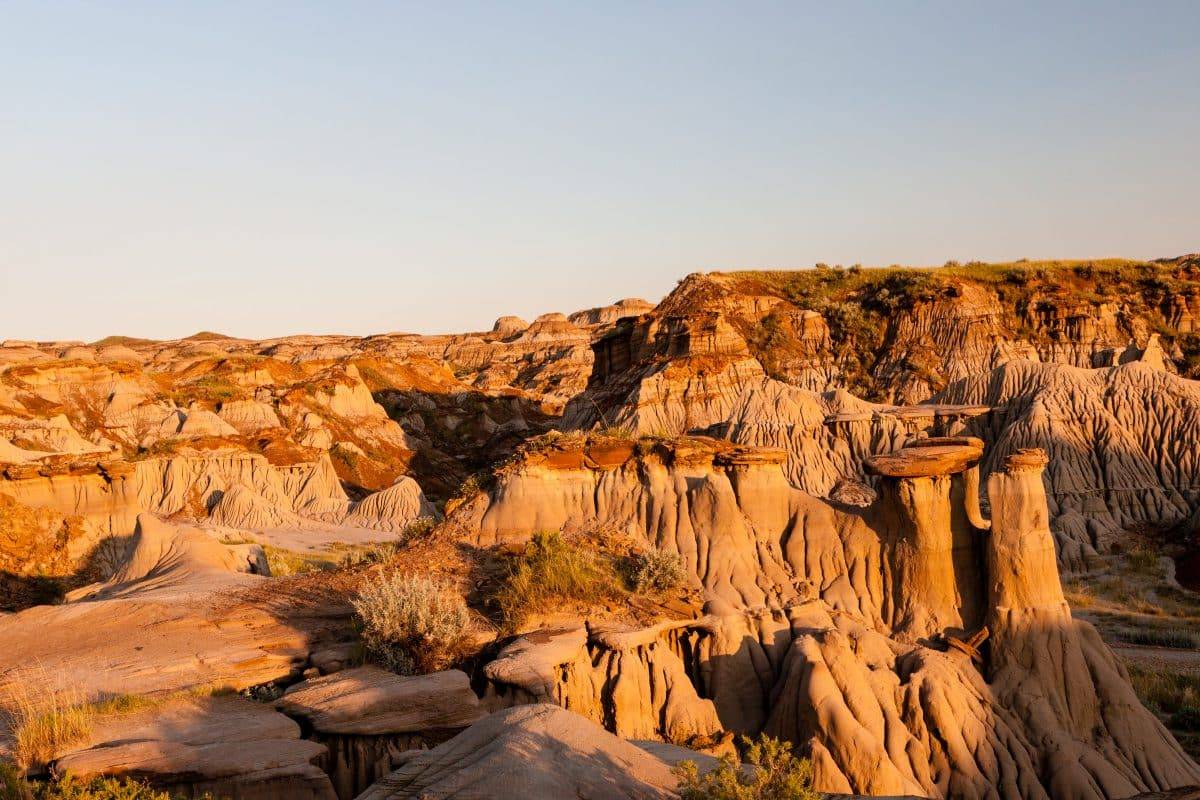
point(914, 647)
point(216, 746)
point(368, 717)
point(181, 614)
point(525, 752)
point(1119, 441)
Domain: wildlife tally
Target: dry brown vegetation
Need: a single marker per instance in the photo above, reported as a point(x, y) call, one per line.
point(42, 716)
point(1137, 609)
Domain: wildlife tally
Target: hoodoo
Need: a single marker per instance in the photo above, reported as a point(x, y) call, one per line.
point(918, 526)
point(933, 655)
point(931, 547)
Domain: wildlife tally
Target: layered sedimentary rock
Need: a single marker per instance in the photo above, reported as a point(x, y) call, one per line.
point(745, 535)
point(525, 752)
point(933, 654)
point(689, 367)
point(181, 613)
point(1120, 442)
point(1091, 385)
point(633, 683)
point(217, 746)
point(392, 508)
point(79, 515)
point(368, 717)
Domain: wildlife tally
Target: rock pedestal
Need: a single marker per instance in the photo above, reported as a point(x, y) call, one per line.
point(924, 516)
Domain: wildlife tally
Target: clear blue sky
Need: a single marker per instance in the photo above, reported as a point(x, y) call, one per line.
point(270, 168)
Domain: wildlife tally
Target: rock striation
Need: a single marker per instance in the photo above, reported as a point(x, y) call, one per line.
point(914, 647)
point(529, 751)
point(215, 746)
point(368, 717)
point(1119, 442)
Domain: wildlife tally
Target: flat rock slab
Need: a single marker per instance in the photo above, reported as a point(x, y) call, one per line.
point(928, 458)
point(368, 701)
point(227, 745)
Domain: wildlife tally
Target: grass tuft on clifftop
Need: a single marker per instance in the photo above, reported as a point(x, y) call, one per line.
point(553, 573)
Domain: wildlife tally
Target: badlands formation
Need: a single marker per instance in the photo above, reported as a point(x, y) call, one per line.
point(934, 529)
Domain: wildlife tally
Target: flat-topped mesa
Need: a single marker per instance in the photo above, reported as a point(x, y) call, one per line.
point(928, 516)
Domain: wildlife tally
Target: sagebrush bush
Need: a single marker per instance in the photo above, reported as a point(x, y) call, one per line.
point(777, 775)
point(552, 571)
point(411, 625)
point(656, 571)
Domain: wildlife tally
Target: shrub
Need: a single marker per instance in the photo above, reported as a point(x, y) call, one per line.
point(550, 572)
point(615, 432)
point(656, 571)
point(374, 553)
point(12, 783)
point(418, 528)
point(411, 625)
point(777, 775)
point(1144, 562)
point(71, 788)
point(1151, 637)
point(284, 563)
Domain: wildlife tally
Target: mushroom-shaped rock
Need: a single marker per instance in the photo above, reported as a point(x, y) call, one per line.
point(928, 457)
point(1073, 695)
point(529, 752)
point(927, 514)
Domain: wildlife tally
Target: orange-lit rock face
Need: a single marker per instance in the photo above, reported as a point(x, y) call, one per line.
point(844, 589)
point(930, 458)
point(929, 654)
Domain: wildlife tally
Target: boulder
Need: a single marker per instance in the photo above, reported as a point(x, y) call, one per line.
point(527, 752)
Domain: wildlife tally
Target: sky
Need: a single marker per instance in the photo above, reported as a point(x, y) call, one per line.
point(262, 169)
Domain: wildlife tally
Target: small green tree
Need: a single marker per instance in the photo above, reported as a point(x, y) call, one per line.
point(776, 774)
